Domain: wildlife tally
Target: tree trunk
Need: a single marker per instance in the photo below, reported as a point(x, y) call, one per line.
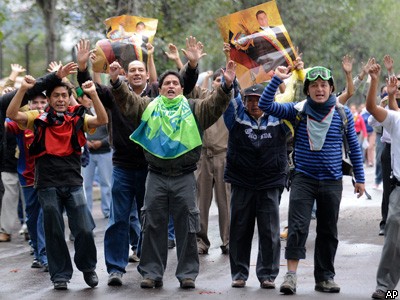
point(48, 8)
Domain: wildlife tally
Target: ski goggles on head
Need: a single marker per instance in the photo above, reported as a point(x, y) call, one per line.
point(316, 72)
point(79, 91)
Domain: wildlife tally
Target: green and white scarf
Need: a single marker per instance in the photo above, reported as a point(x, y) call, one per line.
point(168, 128)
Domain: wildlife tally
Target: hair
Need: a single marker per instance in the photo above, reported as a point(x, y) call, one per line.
point(140, 23)
point(216, 74)
point(260, 12)
point(61, 84)
point(144, 65)
point(169, 72)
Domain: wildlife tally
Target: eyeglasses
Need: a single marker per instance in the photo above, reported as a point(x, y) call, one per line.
point(316, 72)
point(79, 91)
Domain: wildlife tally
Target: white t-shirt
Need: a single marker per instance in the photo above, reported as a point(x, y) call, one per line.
point(392, 125)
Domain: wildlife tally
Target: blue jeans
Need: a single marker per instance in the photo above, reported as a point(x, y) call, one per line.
point(81, 224)
point(134, 232)
point(103, 162)
point(34, 222)
point(171, 230)
point(127, 185)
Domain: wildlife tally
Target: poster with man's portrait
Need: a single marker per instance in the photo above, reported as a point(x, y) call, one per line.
point(127, 37)
point(259, 42)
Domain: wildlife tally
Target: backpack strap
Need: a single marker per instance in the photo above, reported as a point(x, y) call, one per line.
point(340, 109)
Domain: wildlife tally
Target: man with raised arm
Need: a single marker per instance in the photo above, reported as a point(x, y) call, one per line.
point(59, 136)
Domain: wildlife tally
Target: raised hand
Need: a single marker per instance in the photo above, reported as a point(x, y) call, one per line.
point(388, 62)
point(173, 53)
point(298, 64)
point(194, 51)
point(374, 71)
point(64, 71)
point(150, 49)
point(229, 73)
point(28, 82)
point(115, 69)
point(347, 63)
point(54, 66)
point(17, 68)
point(82, 53)
point(283, 72)
point(89, 87)
point(391, 84)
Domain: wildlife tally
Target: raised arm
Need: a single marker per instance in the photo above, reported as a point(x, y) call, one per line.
point(347, 66)
point(129, 103)
point(379, 113)
point(16, 69)
point(392, 86)
point(83, 53)
point(101, 117)
point(212, 107)
point(388, 62)
point(173, 54)
point(194, 51)
point(151, 67)
point(13, 108)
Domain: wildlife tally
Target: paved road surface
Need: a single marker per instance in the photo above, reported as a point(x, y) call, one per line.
point(356, 263)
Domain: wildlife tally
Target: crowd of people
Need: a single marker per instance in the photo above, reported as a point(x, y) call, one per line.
point(163, 148)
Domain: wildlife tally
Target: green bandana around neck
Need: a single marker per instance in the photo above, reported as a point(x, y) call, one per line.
point(168, 128)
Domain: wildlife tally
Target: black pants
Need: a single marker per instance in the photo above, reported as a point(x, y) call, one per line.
point(247, 206)
point(387, 185)
point(327, 194)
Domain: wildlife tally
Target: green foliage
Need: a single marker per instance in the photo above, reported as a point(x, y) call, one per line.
point(323, 30)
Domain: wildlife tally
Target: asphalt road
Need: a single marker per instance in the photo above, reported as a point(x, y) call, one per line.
point(356, 263)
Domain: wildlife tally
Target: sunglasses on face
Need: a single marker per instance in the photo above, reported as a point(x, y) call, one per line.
point(316, 72)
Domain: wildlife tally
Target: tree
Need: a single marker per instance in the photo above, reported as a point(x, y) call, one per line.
point(48, 8)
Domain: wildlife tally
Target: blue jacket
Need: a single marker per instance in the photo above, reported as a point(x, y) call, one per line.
point(257, 152)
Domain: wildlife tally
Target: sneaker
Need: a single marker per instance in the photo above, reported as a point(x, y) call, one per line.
point(60, 285)
point(267, 284)
point(327, 286)
point(5, 237)
point(381, 231)
point(187, 283)
point(288, 287)
point(133, 258)
point(379, 294)
point(115, 279)
point(171, 244)
point(240, 283)
point(148, 283)
point(91, 278)
point(36, 264)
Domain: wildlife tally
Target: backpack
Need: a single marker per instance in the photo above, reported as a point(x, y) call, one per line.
point(347, 167)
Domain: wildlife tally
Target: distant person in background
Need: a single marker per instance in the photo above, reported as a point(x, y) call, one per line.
point(100, 160)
